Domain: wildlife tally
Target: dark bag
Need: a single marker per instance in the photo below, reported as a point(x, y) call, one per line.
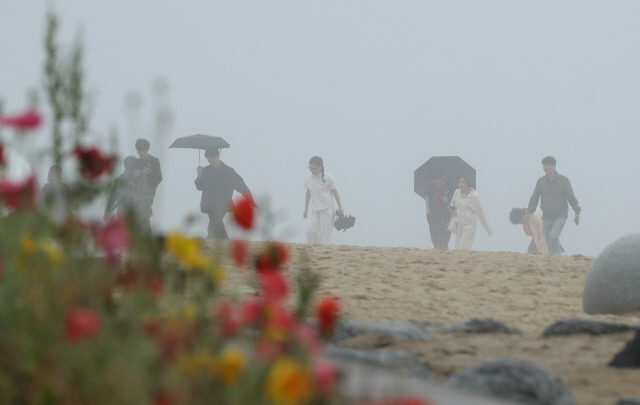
point(344, 222)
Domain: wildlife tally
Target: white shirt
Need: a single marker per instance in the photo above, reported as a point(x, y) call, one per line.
point(321, 197)
point(468, 209)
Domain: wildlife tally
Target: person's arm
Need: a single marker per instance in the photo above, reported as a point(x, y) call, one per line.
point(477, 208)
point(307, 198)
point(198, 181)
point(157, 173)
point(573, 201)
point(337, 197)
point(426, 201)
point(111, 202)
point(533, 201)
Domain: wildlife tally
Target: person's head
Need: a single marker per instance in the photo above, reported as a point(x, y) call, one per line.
point(438, 178)
point(128, 162)
point(213, 156)
point(55, 174)
point(316, 165)
point(142, 147)
point(516, 216)
point(464, 184)
point(549, 165)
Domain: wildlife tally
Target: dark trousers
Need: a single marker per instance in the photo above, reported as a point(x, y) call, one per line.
point(216, 229)
point(440, 237)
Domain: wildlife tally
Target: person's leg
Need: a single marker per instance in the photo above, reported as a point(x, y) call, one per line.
point(554, 235)
point(312, 228)
point(326, 219)
point(467, 235)
point(216, 229)
point(532, 247)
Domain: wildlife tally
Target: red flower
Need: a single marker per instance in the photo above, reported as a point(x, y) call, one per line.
point(240, 251)
point(327, 312)
point(16, 195)
point(3, 161)
point(252, 311)
point(82, 323)
point(93, 163)
point(30, 119)
point(274, 285)
point(230, 319)
point(273, 256)
point(244, 212)
point(113, 237)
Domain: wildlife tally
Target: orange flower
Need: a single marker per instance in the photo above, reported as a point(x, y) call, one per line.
point(244, 212)
point(232, 364)
point(288, 383)
point(327, 312)
point(82, 323)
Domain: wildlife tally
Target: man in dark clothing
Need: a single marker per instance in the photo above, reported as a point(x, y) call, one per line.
point(217, 181)
point(438, 198)
point(146, 175)
point(555, 194)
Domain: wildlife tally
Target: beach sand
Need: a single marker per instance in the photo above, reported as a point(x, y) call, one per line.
point(529, 292)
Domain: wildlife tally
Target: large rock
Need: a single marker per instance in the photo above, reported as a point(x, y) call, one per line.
point(395, 361)
point(613, 283)
point(399, 330)
point(513, 379)
point(575, 326)
point(629, 356)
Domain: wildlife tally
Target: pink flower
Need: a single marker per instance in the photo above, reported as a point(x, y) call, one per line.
point(113, 237)
point(94, 163)
point(17, 195)
point(3, 161)
point(30, 119)
point(244, 212)
point(325, 375)
point(82, 323)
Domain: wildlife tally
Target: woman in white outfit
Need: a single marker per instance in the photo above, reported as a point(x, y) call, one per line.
point(321, 190)
point(466, 211)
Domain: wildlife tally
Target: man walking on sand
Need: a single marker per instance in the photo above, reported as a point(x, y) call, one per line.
point(555, 194)
point(146, 175)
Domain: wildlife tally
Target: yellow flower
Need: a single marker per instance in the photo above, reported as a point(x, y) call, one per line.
point(288, 383)
point(52, 249)
point(186, 249)
point(28, 243)
point(191, 311)
point(201, 359)
point(231, 365)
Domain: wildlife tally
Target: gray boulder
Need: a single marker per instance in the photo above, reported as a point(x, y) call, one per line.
point(513, 379)
point(577, 326)
point(390, 360)
point(481, 325)
point(613, 282)
point(628, 401)
point(399, 330)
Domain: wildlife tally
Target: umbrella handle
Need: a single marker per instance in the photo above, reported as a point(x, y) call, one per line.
point(198, 157)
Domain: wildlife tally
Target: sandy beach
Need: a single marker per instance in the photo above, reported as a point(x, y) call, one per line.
point(528, 292)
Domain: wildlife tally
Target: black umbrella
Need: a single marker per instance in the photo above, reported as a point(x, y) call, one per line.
point(452, 167)
point(200, 141)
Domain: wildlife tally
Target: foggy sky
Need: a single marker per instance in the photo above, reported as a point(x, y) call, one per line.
point(375, 89)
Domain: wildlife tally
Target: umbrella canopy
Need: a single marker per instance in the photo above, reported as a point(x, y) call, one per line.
point(452, 167)
point(200, 141)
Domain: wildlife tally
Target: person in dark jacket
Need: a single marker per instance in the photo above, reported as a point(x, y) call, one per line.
point(121, 195)
point(437, 200)
point(146, 175)
point(217, 181)
point(555, 194)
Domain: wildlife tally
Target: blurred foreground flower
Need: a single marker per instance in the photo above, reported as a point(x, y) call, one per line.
point(244, 212)
point(288, 383)
point(82, 323)
point(327, 311)
point(93, 162)
point(29, 119)
point(16, 195)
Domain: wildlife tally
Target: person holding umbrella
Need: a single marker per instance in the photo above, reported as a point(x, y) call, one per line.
point(465, 212)
point(217, 181)
point(321, 190)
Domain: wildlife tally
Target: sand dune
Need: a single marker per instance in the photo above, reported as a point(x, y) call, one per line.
point(528, 292)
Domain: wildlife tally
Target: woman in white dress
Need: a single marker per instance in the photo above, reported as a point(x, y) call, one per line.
point(321, 190)
point(466, 211)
